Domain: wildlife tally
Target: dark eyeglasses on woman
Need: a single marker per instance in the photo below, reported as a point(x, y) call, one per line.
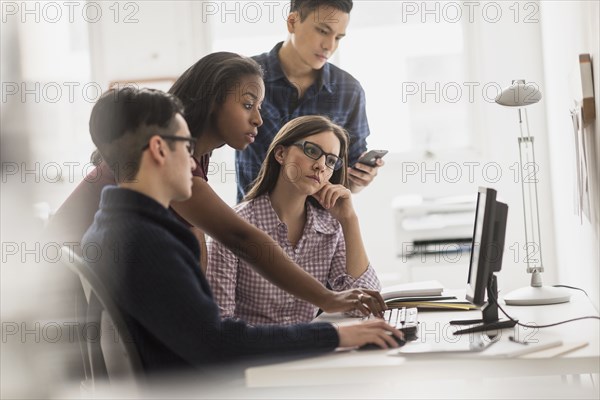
point(314, 151)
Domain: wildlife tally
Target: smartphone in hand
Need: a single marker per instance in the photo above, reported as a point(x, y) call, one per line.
point(370, 158)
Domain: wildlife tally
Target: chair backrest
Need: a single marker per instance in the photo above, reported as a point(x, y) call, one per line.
point(81, 306)
point(110, 348)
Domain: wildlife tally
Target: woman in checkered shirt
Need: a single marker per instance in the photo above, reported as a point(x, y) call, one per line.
point(301, 200)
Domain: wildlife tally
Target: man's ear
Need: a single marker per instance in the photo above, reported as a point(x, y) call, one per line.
point(292, 19)
point(156, 149)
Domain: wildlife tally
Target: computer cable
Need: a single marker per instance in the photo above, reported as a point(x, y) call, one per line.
point(572, 287)
point(495, 300)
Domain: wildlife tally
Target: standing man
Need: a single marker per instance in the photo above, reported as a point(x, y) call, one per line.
point(300, 81)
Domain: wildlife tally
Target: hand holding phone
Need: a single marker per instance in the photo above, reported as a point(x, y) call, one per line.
point(370, 158)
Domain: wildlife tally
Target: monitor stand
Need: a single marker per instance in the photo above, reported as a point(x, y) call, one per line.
point(490, 320)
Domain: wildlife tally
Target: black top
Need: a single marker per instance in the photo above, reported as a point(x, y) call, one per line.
point(76, 214)
point(149, 262)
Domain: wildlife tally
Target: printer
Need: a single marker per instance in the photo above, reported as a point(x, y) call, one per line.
point(433, 225)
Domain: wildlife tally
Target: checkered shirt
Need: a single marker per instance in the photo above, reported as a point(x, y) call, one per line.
point(242, 293)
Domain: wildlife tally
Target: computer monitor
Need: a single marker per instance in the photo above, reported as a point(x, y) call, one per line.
point(487, 248)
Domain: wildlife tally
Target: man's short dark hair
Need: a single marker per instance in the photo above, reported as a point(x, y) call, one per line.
point(122, 122)
point(305, 7)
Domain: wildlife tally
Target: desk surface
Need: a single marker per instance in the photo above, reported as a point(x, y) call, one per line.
point(377, 366)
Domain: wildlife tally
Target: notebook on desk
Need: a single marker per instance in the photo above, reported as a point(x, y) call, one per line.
point(432, 303)
point(422, 288)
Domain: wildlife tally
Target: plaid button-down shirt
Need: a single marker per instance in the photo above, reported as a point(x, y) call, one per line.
point(242, 293)
point(336, 94)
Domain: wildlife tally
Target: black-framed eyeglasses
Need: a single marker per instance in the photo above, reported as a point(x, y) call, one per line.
point(191, 145)
point(315, 152)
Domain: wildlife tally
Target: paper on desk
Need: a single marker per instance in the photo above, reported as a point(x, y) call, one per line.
point(433, 305)
point(474, 345)
point(462, 345)
point(423, 288)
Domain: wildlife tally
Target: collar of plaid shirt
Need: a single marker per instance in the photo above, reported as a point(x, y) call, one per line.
point(274, 72)
point(266, 219)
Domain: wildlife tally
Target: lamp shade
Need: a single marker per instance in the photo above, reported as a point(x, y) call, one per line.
point(519, 94)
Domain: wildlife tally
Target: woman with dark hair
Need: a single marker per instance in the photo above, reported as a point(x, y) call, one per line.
point(301, 199)
point(221, 94)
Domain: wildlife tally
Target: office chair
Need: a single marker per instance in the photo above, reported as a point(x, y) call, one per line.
point(82, 292)
point(104, 337)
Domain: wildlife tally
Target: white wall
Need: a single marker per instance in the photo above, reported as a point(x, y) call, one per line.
point(577, 239)
point(544, 53)
point(500, 52)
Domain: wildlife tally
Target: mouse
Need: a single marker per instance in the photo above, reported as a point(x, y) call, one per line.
point(410, 333)
point(373, 346)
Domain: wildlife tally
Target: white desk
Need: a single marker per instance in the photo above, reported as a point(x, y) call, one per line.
point(377, 367)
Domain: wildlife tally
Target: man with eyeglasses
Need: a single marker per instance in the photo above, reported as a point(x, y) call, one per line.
point(148, 260)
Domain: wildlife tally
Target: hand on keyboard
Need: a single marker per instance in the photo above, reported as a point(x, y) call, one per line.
point(373, 346)
point(404, 319)
point(375, 331)
point(363, 300)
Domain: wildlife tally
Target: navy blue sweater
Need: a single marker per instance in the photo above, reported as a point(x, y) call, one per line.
point(148, 261)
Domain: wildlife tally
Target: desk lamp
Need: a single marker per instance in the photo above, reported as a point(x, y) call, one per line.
point(520, 95)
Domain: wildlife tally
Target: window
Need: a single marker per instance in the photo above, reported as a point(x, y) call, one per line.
point(412, 65)
point(413, 73)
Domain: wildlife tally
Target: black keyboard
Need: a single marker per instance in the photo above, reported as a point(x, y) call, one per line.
point(404, 319)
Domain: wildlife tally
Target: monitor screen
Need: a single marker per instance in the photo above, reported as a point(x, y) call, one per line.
point(487, 244)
